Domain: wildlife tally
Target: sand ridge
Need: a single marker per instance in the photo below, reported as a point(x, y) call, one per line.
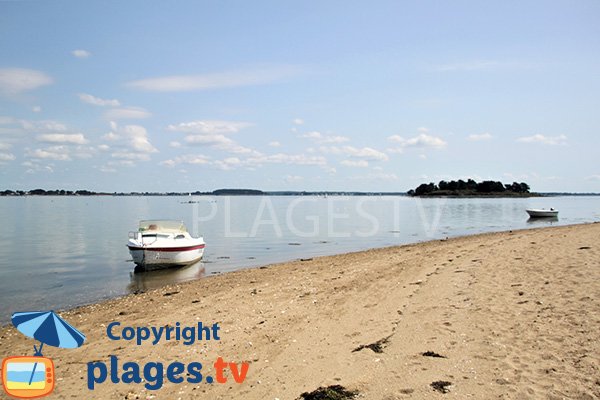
point(511, 315)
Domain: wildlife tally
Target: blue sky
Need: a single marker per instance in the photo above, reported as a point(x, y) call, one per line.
point(302, 95)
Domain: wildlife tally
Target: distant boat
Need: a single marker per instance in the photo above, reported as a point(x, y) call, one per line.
point(542, 213)
point(162, 244)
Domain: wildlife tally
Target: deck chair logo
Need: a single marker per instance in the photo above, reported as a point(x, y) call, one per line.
point(28, 377)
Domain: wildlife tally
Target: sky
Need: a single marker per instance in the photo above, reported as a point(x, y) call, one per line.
point(298, 95)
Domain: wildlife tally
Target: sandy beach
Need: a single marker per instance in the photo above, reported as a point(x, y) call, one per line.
point(513, 315)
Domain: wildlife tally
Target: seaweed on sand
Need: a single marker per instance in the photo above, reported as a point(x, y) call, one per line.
point(333, 392)
point(432, 354)
point(377, 347)
point(441, 386)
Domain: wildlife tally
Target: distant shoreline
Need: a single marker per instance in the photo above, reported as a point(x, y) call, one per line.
point(252, 192)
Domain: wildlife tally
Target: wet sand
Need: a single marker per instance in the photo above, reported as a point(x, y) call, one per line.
point(512, 315)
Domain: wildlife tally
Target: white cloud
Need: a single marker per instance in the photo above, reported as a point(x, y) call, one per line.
point(174, 144)
point(18, 80)
point(76, 138)
point(366, 153)
point(45, 126)
point(103, 147)
point(422, 140)
point(549, 140)
point(96, 101)
point(111, 136)
point(228, 163)
point(126, 155)
point(6, 157)
point(33, 167)
point(131, 143)
point(64, 146)
point(36, 109)
point(298, 121)
point(209, 126)
point(320, 138)
point(231, 163)
point(480, 137)
point(62, 152)
point(220, 142)
point(20, 127)
point(275, 143)
point(79, 53)
point(127, 113)
point(211, 133)
point(217, 80)
point(58, 153)
point(137, 138)
point(53, 126)
point(190, 159)
point(355, 163)
point(38, 168)
point(593, 178)
point(281, 158)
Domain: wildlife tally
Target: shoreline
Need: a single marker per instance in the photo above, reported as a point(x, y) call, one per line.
point(298, 322)
point(7, 323)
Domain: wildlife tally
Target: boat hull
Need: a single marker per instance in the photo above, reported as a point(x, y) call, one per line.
point(542, 213)
point(149, 258)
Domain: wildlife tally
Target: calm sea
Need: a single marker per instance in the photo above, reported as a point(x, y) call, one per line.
point(60, 252)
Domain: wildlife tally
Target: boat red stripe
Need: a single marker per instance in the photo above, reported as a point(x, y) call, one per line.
point(186, 248)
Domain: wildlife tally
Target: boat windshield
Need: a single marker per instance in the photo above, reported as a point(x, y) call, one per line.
point(162, 226)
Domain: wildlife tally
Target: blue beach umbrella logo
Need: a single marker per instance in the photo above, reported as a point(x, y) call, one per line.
point(48, 328)
point(29, 377)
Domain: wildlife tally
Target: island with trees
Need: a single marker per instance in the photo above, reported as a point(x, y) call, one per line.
point(470, 188)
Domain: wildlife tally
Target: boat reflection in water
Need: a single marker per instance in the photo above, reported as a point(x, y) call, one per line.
point(142, 281)
point(542, 221)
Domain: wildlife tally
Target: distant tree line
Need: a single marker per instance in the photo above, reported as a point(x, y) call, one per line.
point(42, 192)
point(469, 187)
point(218, 192)
point(238, 192)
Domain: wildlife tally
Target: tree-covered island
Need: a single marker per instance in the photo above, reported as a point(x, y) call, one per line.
point(470, 188)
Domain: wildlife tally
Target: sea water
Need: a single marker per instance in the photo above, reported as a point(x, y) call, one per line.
point(58, 252)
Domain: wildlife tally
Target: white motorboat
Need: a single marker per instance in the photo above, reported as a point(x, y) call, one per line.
point(162, 244)
point(542, 213)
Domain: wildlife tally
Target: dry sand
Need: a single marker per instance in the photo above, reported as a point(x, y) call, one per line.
point(515, 315)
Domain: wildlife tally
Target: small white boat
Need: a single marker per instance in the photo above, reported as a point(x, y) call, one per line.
point(164, 243)
point(542, 212)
